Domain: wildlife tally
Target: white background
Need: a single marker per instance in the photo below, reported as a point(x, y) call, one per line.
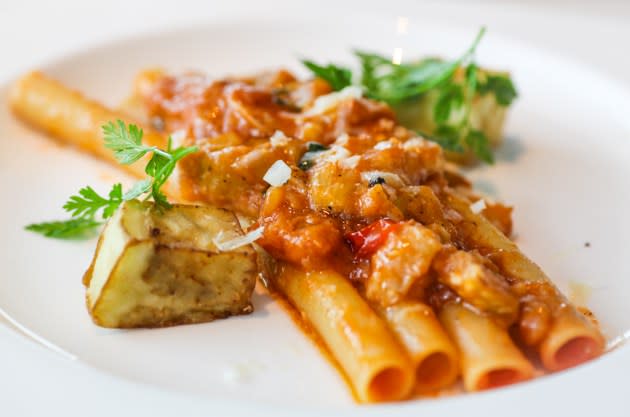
point(31, 31)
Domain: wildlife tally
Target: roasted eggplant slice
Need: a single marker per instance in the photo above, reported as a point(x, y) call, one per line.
point(156, 267)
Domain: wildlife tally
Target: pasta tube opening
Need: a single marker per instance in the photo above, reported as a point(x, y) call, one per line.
point(433, 354)
point(571, 341)
point(500, 377)
point(561, 334)
point(435, 371)
point(386, 385)
point(575, 351)
point(359, 340)
point(489, 356)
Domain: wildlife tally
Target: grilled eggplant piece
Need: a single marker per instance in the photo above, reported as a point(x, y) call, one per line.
point(155, 268)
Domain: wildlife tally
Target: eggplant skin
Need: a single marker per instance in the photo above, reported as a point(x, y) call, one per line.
point(160, 268)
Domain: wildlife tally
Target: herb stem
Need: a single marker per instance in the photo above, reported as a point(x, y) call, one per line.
point(126, 143)
point(159, 151)
point(475, 43)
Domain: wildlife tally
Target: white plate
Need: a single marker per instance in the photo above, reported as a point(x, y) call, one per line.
point(564, 167)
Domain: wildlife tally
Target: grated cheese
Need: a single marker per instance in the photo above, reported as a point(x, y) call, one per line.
point(335, 153)
point(478, 206)
point(277, 174)
point(386, 144)
point(237, 242)
point(416, 142)
point(278, 139)
point(342, 140)
point(329, 101)
point(350, 162)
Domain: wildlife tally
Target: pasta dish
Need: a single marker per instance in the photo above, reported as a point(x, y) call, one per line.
point(405, 273)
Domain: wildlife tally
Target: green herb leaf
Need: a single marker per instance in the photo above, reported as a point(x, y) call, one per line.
point(126, 142)
point(88, 202)
point(392, 83)
point(306, 164)
point(156, 163)
point(159, 168)
point(139, 188)
point(160, 198)
point(376, 181)
point(369, 63)
point(115, 198)
point(502, 88)
point(315, 147)
point(396, 84)
point(402, 82)
point(479, 144)
point(165, 170)
point(69, 229)
point(471, 79)
point(451, 98)
point(448, 137)
point(337, 77)
point(453, 134)
point(308, 158)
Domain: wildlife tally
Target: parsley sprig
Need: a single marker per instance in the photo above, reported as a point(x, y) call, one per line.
point(451, 134)
point(337, 77)
point(397, 84)
point(126, 143)
point(88, 202)
point(68, 229)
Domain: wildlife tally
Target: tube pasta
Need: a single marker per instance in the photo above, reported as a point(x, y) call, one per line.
point(376, 365)
point(433, 354)
point(381, 354)
point(70, 117)
point(570, 339)
point(489, 358)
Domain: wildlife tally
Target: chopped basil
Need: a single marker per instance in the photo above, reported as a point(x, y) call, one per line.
point(376, 181)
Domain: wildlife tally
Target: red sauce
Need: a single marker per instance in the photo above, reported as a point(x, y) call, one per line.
point(339, 210)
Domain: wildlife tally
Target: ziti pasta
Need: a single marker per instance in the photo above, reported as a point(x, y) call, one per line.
point(409, 278)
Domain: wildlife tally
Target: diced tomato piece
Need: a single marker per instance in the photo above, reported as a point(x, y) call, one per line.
point(366, 241)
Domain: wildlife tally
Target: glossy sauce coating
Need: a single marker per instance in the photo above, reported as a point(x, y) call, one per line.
point(367, 169)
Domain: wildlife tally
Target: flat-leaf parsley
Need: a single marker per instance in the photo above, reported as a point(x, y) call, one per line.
point(126, 143)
